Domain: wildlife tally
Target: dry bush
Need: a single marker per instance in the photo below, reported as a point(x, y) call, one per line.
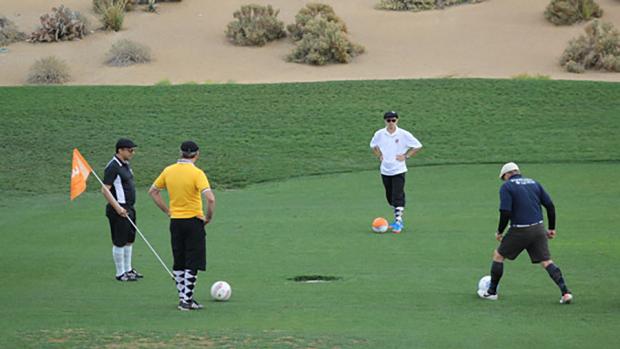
point(99, 6)
point(324, 42)
point(49, 70)
point(60, 25)
point(312, 11)
point(598, 49)
point(255, 25)
point(9, 32)
point(420, 5)
point(126, 52)
point(113, 15)
point(566, 12)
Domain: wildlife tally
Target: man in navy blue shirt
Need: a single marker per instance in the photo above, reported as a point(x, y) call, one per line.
point(520, 203)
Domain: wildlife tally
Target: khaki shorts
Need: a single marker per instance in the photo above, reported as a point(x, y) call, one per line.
point(533, 239)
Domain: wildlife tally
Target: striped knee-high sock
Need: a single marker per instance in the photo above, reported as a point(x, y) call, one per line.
point(190, 282)
point(179, 278)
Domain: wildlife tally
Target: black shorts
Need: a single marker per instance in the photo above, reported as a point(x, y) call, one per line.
point(189, 243)
point(122, 231)
point(394, 189)
point(533, 239)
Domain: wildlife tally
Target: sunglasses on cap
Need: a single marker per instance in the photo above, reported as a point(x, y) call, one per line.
point(390, 120)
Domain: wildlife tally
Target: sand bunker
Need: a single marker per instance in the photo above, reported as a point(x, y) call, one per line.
point(497, 38)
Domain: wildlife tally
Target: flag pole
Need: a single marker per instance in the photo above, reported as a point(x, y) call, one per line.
point(137, 229)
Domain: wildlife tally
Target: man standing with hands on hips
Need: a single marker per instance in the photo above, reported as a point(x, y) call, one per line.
point(393, 146)
point(186, 185)
point(520, 201)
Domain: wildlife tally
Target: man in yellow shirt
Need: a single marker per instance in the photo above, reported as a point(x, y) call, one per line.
point(185, 184)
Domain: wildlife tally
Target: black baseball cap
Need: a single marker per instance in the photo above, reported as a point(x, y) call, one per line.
point(390, 114)
point(125, 143)
point(189, 147)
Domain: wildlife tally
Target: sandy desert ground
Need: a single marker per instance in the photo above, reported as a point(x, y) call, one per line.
point(493, 39)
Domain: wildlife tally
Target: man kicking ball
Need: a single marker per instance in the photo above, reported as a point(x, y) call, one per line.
point(520, 201)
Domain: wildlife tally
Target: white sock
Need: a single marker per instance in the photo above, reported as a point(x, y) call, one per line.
point(128, 249)
point(119, 260)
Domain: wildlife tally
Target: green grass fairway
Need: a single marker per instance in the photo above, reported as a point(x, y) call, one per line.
point(258, 133)
point(413, 290)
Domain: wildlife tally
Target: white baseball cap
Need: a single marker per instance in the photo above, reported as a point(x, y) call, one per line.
point(509, 166)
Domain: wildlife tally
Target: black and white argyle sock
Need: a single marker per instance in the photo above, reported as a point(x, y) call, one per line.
point(179, 278)
point(398, 213)
point(190, 282)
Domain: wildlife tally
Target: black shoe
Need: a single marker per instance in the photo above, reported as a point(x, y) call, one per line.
point(191, 305)
point(135, 274)
point(184, 306)
point(196, 305)
point(126, 277)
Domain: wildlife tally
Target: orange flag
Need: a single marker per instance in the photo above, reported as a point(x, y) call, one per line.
point(79, 174)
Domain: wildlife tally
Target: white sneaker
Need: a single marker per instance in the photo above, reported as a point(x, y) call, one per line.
point(485, 295)
point(567, 298)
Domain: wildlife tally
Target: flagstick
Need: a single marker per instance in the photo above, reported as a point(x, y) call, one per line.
point(138, 230)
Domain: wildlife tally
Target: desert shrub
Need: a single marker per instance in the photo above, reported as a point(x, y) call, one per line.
point(113, 15)
point(255, 25)
point(420, 5)
point(324, 42)
point(60, 25)
point(49, 70)
point(310, 12)
point(598, 49)
point(99, 6)
point(9, 32)
point(565, 12)
point(125, 52)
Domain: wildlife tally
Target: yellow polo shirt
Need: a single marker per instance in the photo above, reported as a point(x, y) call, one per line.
point(185, 184)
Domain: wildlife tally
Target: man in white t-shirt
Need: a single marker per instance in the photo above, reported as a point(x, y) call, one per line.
point(393, 146)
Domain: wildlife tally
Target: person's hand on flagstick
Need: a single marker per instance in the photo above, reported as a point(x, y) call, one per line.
point(122, 212)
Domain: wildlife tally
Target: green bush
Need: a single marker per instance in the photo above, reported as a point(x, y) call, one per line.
point(310, 12)
point(99, 6)
point(324, 42)
point(420, 5)
point(566, 12)
point(598, 49)
point(255, 25)
point(60, 25)
point(113, 15)
point(126, 52)
point(9, 32)
point(49, 70)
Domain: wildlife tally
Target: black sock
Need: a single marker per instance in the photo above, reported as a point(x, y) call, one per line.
point(556, 275)
point(497, 269)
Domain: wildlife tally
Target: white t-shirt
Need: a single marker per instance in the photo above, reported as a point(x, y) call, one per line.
point(392, 144)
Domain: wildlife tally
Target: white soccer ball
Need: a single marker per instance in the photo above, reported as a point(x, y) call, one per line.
point(484, 283)
point(221, 291)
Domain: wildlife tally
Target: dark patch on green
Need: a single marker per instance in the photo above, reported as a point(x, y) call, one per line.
point(314, 278)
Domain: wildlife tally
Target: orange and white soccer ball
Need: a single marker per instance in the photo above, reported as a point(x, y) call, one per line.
point(380, 225)
point(221, 291)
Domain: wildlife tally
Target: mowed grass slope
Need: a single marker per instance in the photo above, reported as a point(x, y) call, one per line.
point(413, 290)
point(257, 133)
point(410, 290)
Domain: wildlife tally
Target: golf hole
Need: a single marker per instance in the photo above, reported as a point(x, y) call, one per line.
point(314, 279)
